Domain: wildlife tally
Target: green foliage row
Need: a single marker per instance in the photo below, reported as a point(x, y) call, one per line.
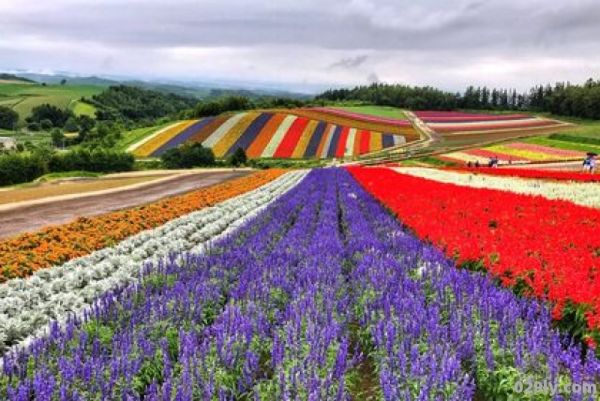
point(576, 139)
point(16, 168)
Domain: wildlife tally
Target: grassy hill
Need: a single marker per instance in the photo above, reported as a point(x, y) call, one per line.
point(23, 97)
point(377, 111)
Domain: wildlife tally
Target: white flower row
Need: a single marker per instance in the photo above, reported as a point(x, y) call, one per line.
point(584, 194)
point(27, 306)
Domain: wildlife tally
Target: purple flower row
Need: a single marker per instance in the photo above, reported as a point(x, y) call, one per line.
point(323, 296)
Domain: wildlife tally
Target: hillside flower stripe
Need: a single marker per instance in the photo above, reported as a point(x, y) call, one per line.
point(165, 135)
point(183, 136)
point(208, 129)
point(232, 135)
point(375, 142)
point(341, 144)
point(349, 151)
point(136, 145)
point(291, 138)
point(257, 147)
point(278, 136)
point(303, 142)
point(315, 140)
point(220, 132)
point(326, 141)
point(251, 133)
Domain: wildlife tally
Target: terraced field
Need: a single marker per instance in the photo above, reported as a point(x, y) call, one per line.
point(319, 133)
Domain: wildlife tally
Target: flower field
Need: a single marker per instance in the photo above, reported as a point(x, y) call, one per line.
point(515, 152)
point(533, 173)
point(305, 288)
point(23, 255)
point(461, 129)
point(299, 133)
point(546, 247)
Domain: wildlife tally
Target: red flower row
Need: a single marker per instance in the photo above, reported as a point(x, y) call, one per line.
point(531, 173)
point(551, 246)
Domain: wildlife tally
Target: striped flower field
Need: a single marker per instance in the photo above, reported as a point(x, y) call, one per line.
point(302, 285)
point(300, 133)
point(515, 153)
point(462, 129)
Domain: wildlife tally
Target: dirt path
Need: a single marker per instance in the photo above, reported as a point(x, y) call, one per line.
point(34, 217)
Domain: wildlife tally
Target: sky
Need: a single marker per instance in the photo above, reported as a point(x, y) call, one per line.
point(308, 45)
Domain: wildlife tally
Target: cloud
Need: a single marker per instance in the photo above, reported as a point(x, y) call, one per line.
point(309, 44)
point(350, 62)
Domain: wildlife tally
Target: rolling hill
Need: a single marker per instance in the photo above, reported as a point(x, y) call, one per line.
point(316, 133)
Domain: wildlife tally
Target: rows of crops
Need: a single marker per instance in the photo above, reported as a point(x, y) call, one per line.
point(515, 152)
point(303, 289)
point(465, 129)
point(299, 133)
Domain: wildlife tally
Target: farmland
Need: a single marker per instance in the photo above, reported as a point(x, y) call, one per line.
point(24, 97)
point(569, 144)
point(319, 133)
point(340, 283)
point(304, 283)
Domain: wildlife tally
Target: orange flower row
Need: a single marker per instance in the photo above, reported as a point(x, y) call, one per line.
point(22, 255)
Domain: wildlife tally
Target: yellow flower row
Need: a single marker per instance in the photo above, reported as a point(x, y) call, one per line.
point(161, 138)
point(231, 136)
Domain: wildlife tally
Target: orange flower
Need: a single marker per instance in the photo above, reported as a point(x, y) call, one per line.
point(21, 256)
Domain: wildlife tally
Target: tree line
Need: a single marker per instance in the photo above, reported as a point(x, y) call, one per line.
point(561, 98)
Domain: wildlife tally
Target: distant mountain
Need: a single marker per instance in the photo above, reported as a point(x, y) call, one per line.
point(12, 77)
point(199, 90)
point(73, 80)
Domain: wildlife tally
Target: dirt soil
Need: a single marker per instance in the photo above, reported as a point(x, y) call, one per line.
point(33, 217)
point(64, 187)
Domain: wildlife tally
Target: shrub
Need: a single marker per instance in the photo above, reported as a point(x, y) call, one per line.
point(97, 160)
point(238, 158)
point(8, 118)
point(18, 168)
point(56, 116)
point(187, 156)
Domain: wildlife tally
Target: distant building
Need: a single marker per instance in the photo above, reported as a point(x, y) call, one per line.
point(7, 143)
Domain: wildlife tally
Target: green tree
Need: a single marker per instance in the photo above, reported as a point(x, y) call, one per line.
point(71, 125)
point(57, 116)
point(238, 157)
point(8, 118)
point(57, 137)
point(188, 156)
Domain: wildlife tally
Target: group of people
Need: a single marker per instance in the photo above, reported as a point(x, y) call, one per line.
point(589, 163)
point(493, 162)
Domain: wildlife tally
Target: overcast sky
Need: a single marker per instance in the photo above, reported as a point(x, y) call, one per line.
point(308, 44)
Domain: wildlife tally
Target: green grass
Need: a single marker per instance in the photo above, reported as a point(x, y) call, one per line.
point(573, 138)
point(24, 97)
point(377, 111)
point(67, 174)
point(83, 109)
point(136, 135)
point(563, 145)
